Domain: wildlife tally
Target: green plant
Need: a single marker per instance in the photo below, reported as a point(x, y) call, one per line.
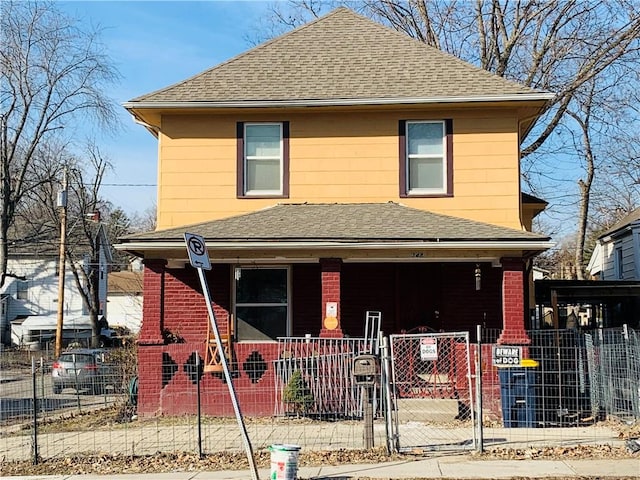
point(296, 394)
point(171, 337)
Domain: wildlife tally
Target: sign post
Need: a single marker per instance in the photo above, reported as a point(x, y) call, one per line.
point(199, 258)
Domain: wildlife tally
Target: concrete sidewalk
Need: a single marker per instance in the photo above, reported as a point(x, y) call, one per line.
point(460, 467)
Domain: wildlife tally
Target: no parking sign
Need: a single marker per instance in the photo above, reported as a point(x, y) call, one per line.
point(197, 249)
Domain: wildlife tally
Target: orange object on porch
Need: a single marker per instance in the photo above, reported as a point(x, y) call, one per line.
point(212, 359)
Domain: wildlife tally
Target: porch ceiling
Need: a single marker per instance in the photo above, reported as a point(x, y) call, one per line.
point(375, 228)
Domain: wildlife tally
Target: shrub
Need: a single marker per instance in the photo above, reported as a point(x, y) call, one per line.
point(296, 394)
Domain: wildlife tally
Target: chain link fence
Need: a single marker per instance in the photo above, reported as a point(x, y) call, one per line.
point(613, 363)
point(320, 411)
point(432, 392)
point(575, 386)
point(580, 382)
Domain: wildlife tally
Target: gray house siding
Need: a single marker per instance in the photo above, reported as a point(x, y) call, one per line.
point(619, 256)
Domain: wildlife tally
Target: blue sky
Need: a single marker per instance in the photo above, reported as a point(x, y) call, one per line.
point(154, 44)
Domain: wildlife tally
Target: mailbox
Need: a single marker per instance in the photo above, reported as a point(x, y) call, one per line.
point(366, 370)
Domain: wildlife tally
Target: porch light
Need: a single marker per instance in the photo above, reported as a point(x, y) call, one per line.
point(237, 273)
point(478, 275)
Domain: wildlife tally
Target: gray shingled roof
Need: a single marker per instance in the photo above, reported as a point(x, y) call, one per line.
point(339, 56)
point(359, 222)
point(625, 221)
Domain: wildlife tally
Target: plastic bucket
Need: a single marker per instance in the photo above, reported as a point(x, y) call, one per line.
point(284, 461)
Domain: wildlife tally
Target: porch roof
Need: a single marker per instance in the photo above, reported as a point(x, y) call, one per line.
point(360, 225)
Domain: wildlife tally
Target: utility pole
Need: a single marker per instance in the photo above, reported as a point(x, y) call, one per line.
point(62, 204)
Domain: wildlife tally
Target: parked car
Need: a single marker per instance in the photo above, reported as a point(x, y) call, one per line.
point(84, 369)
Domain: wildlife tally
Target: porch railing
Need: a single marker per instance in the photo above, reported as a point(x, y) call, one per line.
point(327, 386)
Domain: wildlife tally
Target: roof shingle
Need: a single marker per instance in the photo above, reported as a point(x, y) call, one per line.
point(339, 56)
point(625, 221)
point(359, 222)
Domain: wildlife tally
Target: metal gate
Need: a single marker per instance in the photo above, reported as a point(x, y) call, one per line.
point(432, 405)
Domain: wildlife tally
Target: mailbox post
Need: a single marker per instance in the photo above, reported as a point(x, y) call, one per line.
point(366, 373)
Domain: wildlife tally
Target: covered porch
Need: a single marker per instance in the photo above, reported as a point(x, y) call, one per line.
point(296, 270)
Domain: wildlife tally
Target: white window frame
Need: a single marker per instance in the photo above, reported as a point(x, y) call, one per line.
point(247, 158)
point(234, 271)
point(442, 157)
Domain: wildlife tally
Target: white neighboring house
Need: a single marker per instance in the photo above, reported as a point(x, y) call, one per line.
point(124, 299)
point(30, 295)
point(616, 255)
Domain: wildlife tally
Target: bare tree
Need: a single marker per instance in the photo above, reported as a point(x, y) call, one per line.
point(145, 221)
point(84, 257)
point(87, 237)
point(51, 75)
point(583, 119)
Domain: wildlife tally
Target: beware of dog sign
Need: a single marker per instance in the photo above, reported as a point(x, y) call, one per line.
point(506, 356)
point(428, 349)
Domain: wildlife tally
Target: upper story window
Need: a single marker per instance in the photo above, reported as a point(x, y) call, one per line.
point(263, 159)
point(618, 264)
point(22, 292)
point(426, 158)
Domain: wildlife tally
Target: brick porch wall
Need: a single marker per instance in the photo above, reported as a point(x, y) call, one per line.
point(252, 372)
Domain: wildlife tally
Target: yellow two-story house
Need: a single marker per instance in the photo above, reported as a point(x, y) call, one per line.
point(338, 169)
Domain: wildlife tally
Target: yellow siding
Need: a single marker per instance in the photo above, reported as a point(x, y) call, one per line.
point(338, 157)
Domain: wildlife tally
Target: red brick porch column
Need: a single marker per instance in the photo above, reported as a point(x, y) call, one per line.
point(330, 277)
point(513, 279)
point(150, 341)
point(153, 300)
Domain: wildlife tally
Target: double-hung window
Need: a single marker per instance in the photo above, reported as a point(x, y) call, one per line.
point(263, 159)
point(261, 302)
point(426, 158)
point(22, 290)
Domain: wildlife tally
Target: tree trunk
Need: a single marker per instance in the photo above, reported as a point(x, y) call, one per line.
point(583, 121)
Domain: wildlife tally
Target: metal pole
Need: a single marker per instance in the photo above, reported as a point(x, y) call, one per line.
point(629, 375)
point(62, 203)
point(227, 376)
point(480, 444)
point(42, 382)
point(76, 386)
point(368, 417)
point(199, 406)
point(385, 379)
point(35, 411)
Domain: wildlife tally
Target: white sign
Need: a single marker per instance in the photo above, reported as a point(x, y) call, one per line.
point(198, 254)
point(505, 356)
point(428, 349)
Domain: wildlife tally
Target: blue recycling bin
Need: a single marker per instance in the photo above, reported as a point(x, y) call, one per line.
point(518, 397)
